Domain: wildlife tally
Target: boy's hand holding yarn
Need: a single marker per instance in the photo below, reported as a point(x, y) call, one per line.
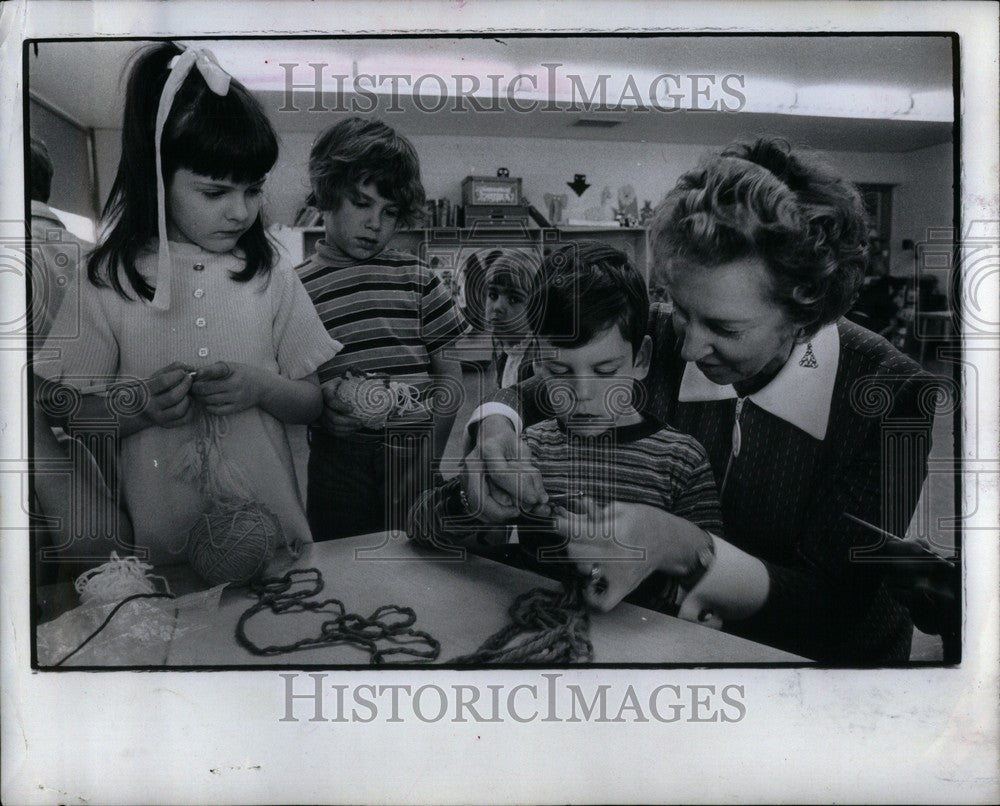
point(169, 405)
point(337, 416)
point(228, 387)
point(498, 476)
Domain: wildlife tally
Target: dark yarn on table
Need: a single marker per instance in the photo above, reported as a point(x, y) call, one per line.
point(546, 626)
point(390, 623)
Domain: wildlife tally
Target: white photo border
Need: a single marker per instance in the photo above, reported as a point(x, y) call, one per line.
point(920, 734)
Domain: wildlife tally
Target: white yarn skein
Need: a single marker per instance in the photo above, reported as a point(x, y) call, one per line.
point(116, 579)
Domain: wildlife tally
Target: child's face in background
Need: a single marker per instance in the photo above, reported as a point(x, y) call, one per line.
point(590, 386)
point(364, 223)
point(506, 309)
point(211, 213)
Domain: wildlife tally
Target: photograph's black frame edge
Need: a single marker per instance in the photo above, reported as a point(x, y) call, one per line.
point(33, 526)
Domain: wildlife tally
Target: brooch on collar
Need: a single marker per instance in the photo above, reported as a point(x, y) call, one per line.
point(809, 358)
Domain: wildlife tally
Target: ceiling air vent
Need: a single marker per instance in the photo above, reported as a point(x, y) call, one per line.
point(595, 123)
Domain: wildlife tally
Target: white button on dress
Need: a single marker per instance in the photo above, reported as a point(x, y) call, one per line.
point(199, 293)
point(202, 352)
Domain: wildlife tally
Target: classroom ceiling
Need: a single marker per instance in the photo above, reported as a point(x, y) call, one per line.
point(889, 94)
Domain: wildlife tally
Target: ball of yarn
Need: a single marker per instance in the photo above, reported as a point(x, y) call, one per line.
point(233, 543)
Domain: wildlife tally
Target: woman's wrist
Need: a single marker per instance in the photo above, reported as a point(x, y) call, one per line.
point(704, 558)
point(735, 587)
point(690, 550)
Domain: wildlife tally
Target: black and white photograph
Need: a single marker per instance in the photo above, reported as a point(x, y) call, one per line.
point(473, 376)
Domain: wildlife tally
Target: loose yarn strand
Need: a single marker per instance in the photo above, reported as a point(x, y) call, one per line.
point(111, 615)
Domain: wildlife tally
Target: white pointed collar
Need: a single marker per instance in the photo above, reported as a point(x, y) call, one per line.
point(799, 394)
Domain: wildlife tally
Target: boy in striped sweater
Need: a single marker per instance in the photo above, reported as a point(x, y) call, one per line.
point(381, 435)
point(596, 447)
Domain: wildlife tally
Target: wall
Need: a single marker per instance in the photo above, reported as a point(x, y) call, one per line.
point(924, 197)
point(922, 178)
point(70, 154)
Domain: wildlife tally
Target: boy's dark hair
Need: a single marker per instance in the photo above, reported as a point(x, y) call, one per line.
point(356, 151)
point(39, 172)
point(226, 137)
point(588, 288)
point(782, 205)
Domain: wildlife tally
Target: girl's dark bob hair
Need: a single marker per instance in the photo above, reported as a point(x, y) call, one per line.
point(226, 137)
point(765, 200)
point(356, 151)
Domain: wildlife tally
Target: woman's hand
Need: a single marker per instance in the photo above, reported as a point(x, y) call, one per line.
point(337, 418)
point(617, 546)
point(500, 483)
point(169, 404)
point(229, 388)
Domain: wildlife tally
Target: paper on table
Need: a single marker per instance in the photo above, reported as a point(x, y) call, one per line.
point(140, 634)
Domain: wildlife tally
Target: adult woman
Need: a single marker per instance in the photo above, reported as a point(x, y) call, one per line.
point(800, 411)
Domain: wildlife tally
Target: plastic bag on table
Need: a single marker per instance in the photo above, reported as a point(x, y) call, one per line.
point(139, 634)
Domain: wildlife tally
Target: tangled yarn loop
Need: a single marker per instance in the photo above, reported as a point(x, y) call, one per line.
point(375, 398)
point(391, 624)
point(546, 627)
point(116, 579)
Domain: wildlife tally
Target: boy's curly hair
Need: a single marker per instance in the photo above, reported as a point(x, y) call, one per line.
point(764, 200)
point(357, 151)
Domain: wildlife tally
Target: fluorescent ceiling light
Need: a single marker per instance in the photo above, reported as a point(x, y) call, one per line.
point(852, 100)
point(933, 105)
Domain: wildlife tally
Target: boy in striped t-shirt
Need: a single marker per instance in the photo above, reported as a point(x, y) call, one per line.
point(381, 436)
point(597, 446)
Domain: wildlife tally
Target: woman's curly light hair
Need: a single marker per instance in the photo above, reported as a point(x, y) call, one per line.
point(764, 200)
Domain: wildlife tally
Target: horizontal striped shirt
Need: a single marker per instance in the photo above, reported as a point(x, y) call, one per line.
point(648, 463)
point(390, 312)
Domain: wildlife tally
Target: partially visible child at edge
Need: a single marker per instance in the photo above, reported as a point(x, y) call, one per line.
point(70, 500)
point(511, 301)
point(597, 447)
point(394, 318)
point(196, 311)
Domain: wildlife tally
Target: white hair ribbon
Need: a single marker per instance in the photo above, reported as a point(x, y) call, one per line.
point(217, 80)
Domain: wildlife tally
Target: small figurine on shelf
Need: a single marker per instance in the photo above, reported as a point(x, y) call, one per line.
point(628, 205)
point(603, 213)
point(646, 215)
point(555, 204)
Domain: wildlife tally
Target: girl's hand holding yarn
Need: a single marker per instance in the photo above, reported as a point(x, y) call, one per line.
point(169, 404)
point(229, 388)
